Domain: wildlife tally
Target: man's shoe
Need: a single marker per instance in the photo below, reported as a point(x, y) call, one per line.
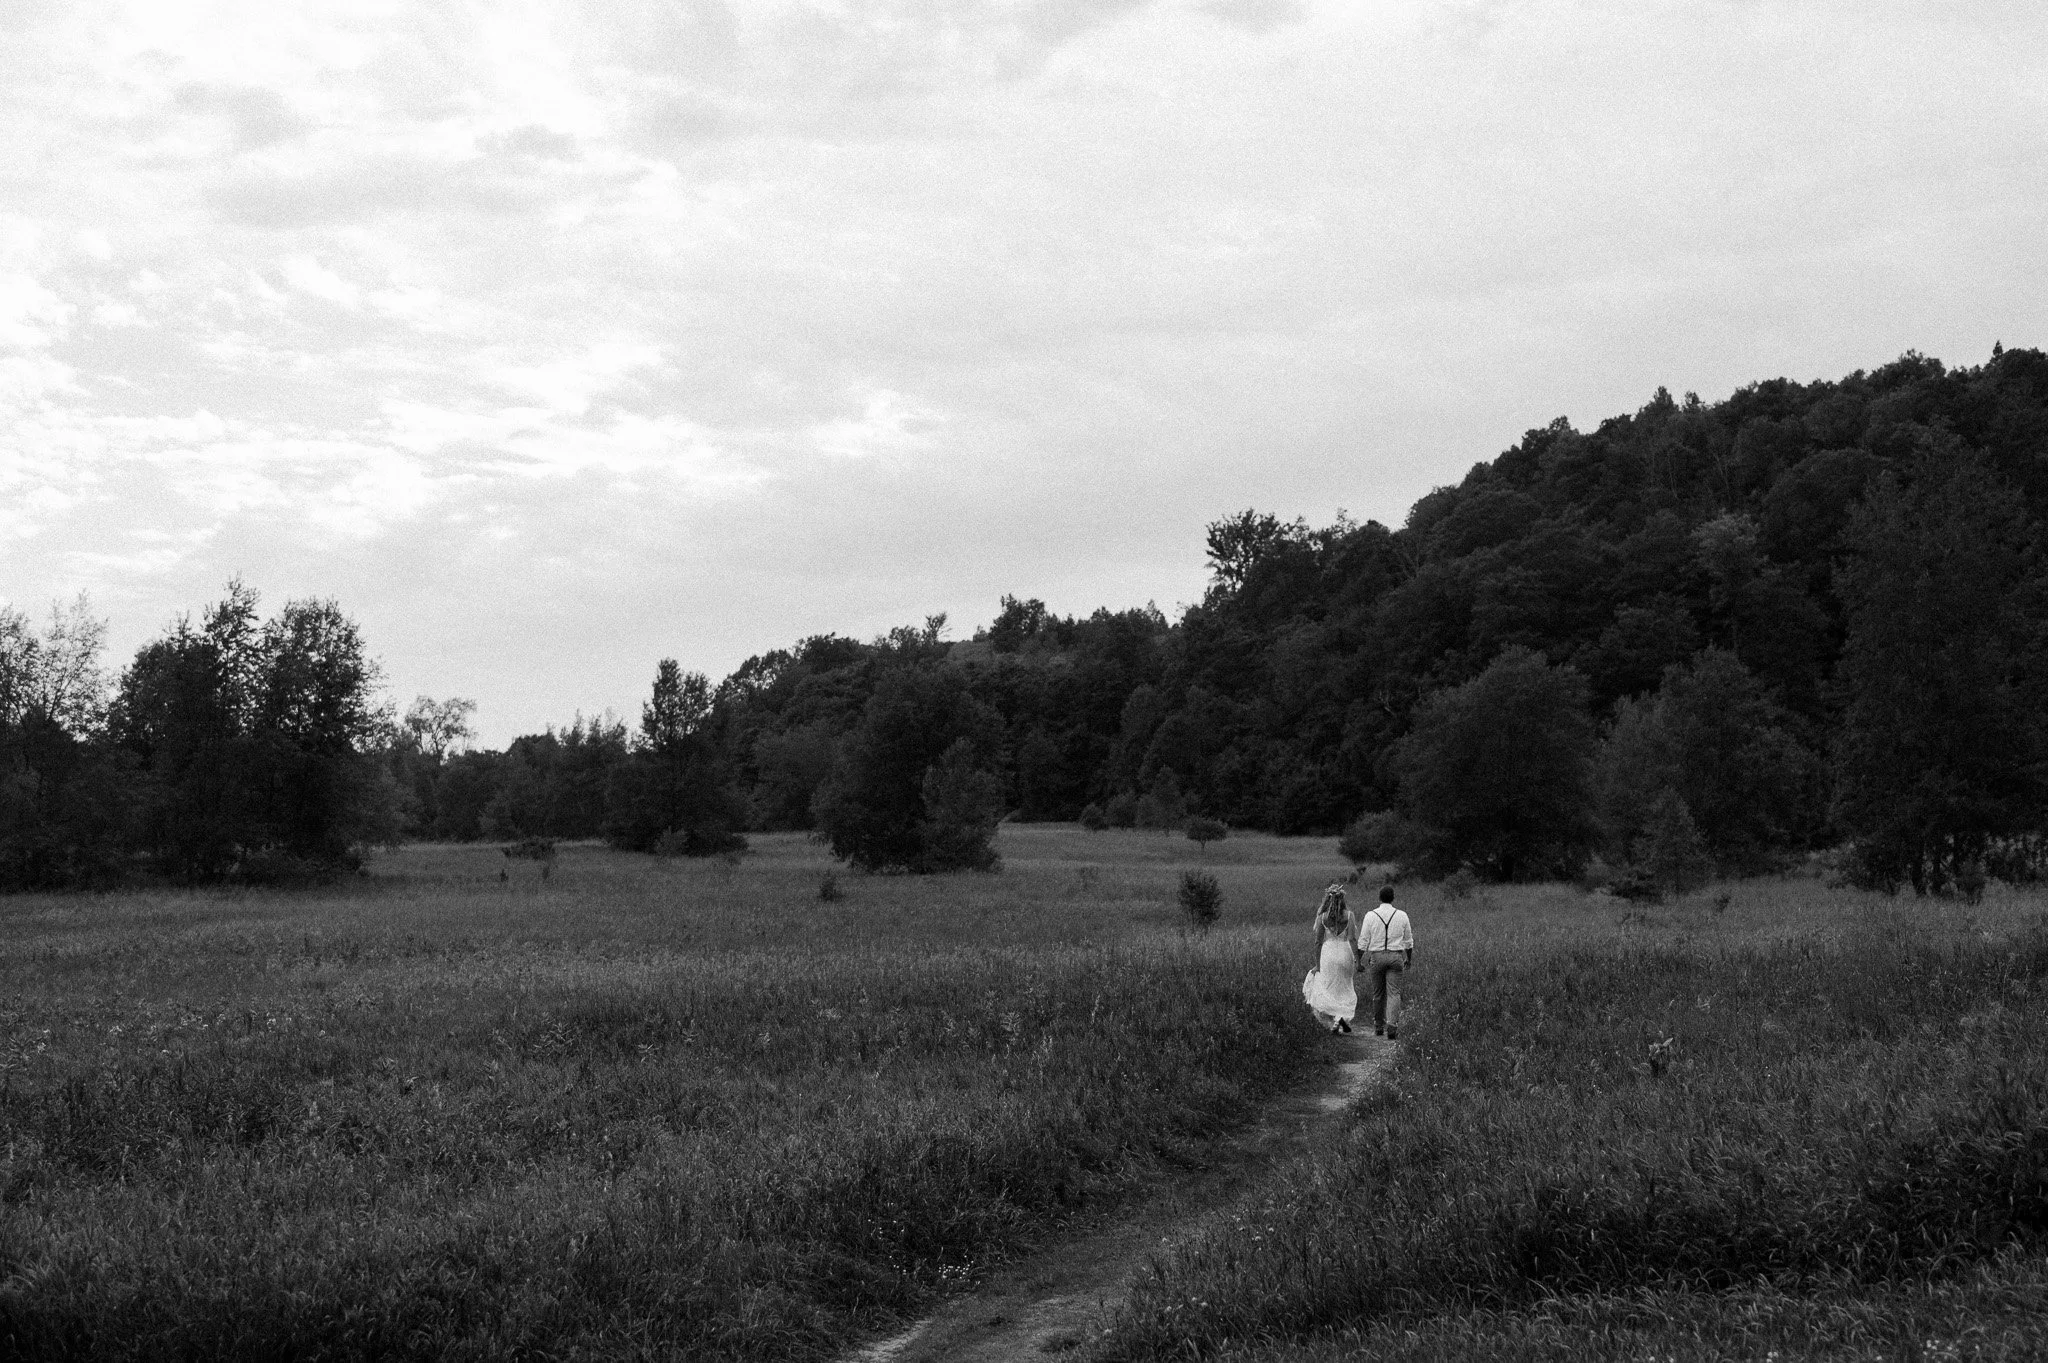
point(1343, 1026)
point(1379, 1031)
point(1393, 1033)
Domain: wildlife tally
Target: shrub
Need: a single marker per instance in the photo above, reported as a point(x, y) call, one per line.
point(1203, 830)
point(1201, 899)
point(1093, 819)
point(277, 868)
point(1674, 854)
point(962, 805)
point(534, 849)
point(2021, 860)
point(1163, 806)
point(828, 888)
point(1385, 836)
point(1459, 885)
point(1635, 884)
point(1122, 810)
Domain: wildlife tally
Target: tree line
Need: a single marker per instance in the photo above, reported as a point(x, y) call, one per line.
point(1697, 637)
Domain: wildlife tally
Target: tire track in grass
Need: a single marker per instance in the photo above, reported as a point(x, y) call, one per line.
point(1054, 1301)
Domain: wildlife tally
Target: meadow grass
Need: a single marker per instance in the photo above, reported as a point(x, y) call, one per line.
point(1811, 1121)
point(635, 1109)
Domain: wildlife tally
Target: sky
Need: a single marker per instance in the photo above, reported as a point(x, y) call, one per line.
point(551, 339)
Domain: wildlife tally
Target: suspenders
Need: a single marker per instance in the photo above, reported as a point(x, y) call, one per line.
point(1386, 928)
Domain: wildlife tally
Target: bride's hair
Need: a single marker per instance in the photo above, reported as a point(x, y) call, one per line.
point(1333, 908)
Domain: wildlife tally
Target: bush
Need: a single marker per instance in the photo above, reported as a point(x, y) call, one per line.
point(1201, 899)
point(1093, 819)
point(828, 888)
point(1636, 884)
point(536, 849)
point(1122, 810)
point(703, 840)
point(1163, 806)
point(962, 807)
point(1203, 830)
point(1385, 836)
point(1674, 855)
point(2018, 861)
point(278, 869)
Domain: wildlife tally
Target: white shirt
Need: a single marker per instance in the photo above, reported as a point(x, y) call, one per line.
point(1386, 929)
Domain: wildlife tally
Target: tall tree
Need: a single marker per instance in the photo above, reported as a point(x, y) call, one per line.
point(64, 796)
point(313, 721)
point(183, 708)
point(441, 728)
point(254, 738)
point(1941, 747)
point(671, 793)
point(1500, 769)
point(876, 808)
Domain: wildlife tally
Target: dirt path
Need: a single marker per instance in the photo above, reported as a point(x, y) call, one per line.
point(1053, 1301)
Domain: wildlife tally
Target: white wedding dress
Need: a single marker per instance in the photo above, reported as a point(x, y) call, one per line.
point(1332, 987)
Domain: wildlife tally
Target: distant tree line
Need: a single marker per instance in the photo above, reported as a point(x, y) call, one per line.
point(1699, 637)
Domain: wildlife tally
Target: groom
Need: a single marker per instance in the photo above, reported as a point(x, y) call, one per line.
point(1386, 946)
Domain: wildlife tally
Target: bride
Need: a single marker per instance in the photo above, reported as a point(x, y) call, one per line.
point(1331, 987)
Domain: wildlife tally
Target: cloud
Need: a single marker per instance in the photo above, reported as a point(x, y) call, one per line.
point(542, 144)
point(568, 383)
point(309, 276)
point(395, 302)
point(888, 424)
point(1256, 16)
point(31, 315)
point(256, 117)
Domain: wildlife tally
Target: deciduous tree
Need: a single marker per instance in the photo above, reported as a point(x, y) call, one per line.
point(1500, 769)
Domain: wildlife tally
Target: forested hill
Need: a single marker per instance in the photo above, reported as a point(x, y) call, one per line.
point(1697, 558)
point(1698, 635)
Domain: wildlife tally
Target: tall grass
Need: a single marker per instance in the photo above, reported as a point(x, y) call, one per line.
point(1819, 1095)
point(638, 1110)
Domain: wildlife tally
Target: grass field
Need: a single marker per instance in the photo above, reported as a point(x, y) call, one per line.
point(649, 1109)
point(1812, 1124)
point(636, 1109)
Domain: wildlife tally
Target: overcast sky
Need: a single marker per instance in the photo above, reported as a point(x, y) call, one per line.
point(552, 339)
